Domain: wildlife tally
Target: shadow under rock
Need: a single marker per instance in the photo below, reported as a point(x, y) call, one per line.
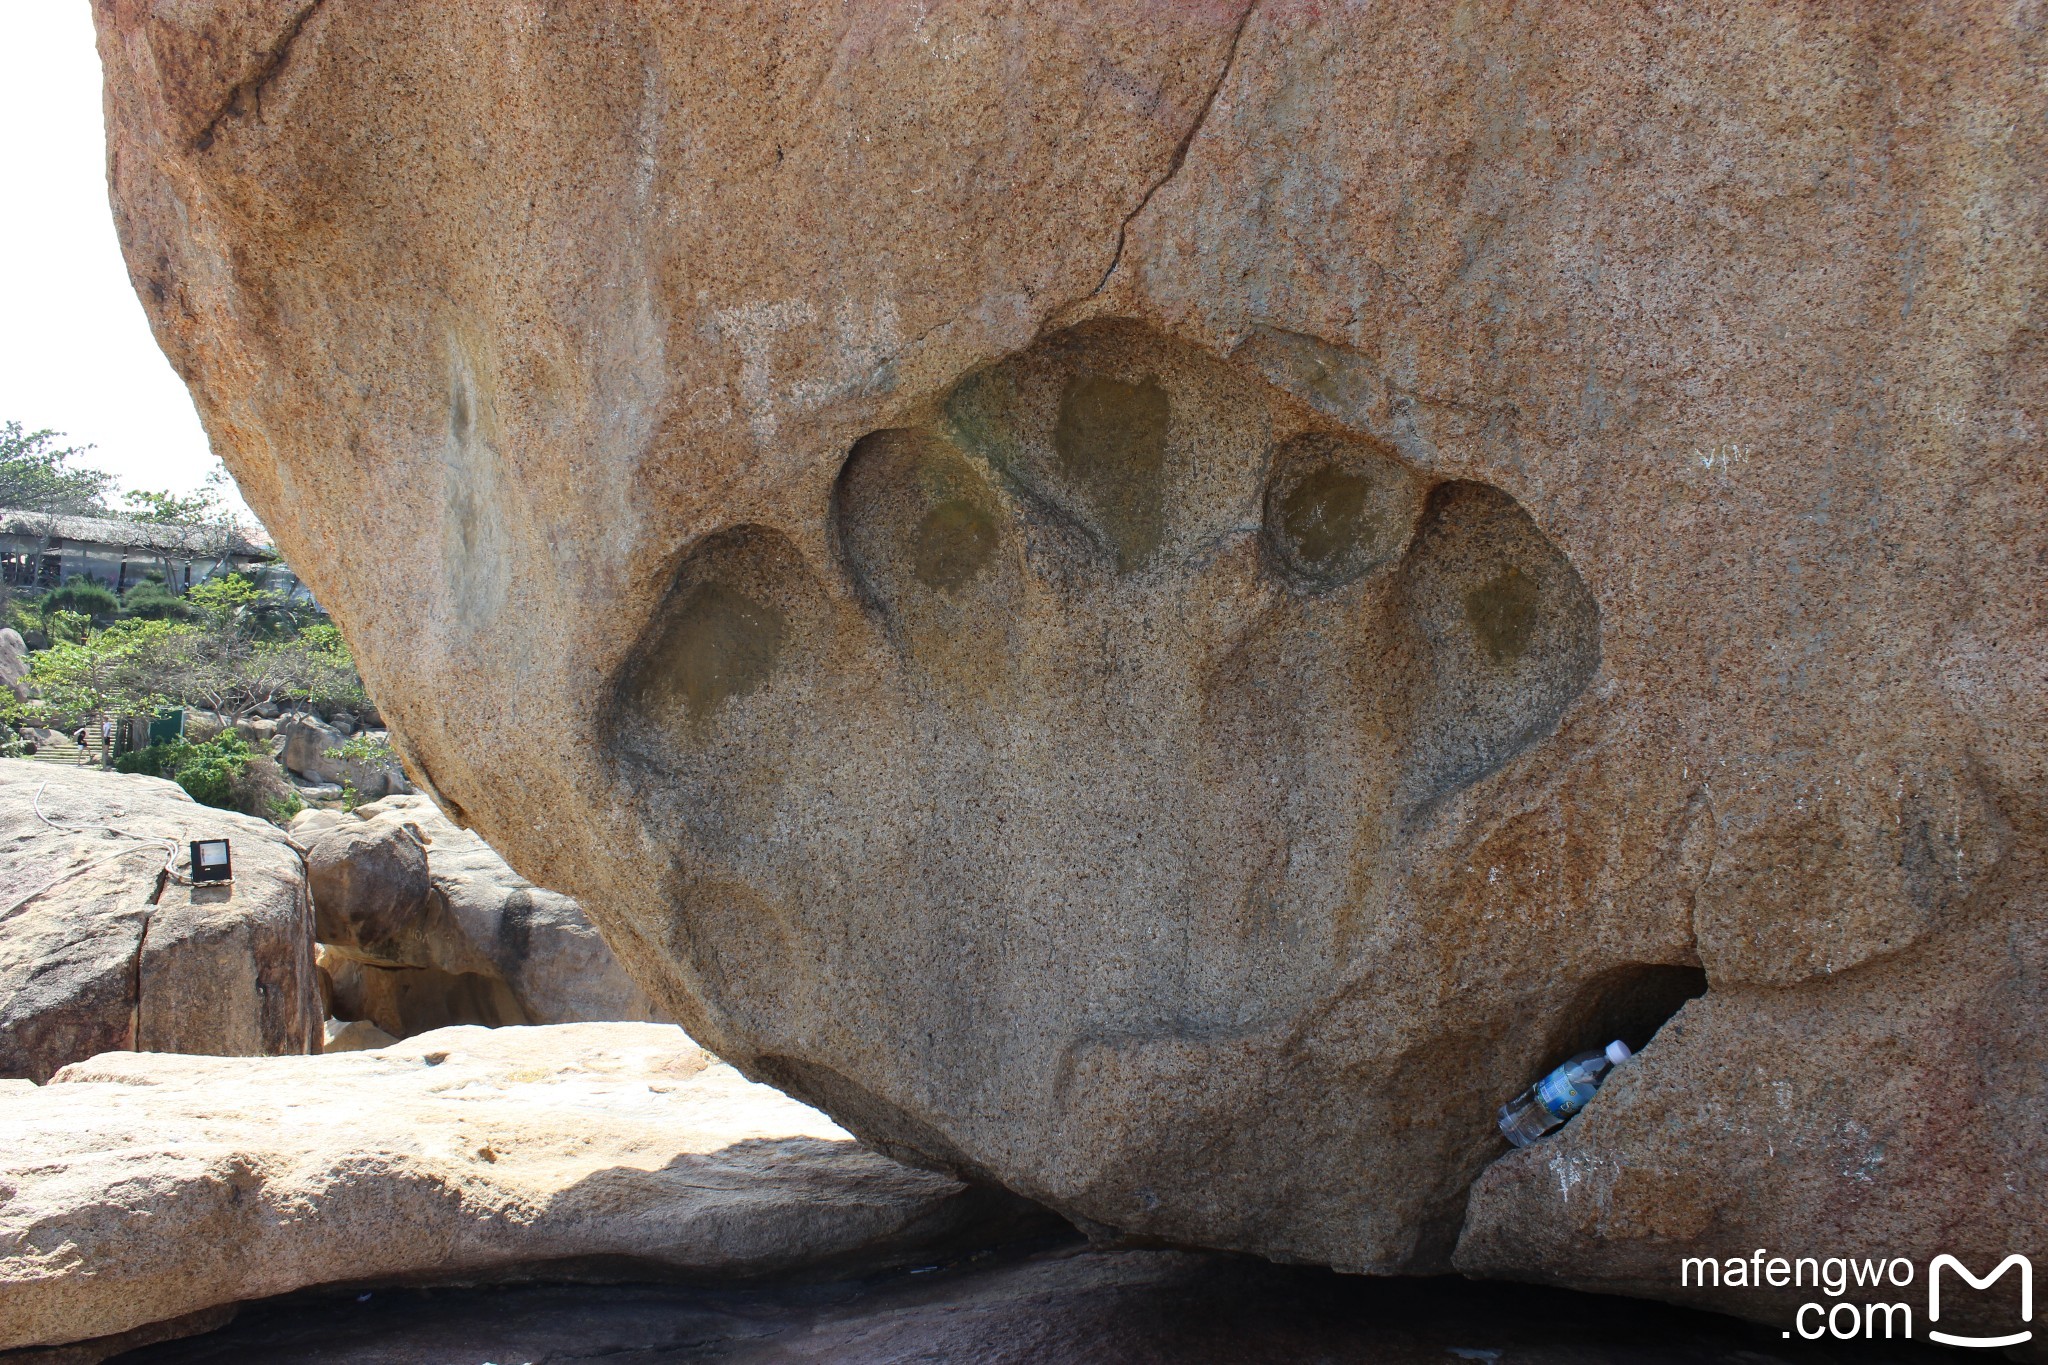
point(1059, 1303)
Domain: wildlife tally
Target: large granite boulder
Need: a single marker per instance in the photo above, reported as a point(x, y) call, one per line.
point(102, 948)
point(135, 1189)
point(1169, 602)
point(423, 925)
point(14, 662)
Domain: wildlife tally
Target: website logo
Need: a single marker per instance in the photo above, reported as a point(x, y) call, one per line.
point(2026, 1269)
point(1854, 1284)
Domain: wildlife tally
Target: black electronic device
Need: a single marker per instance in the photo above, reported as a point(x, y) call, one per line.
point(210, 861)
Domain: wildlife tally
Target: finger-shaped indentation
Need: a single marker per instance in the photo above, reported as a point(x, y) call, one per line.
point(1501, 634)
point(952, 544)
point(725, 632)
point(927, 543)
point(1141, 449)
point(1337, 508)
point(912, 510)
point(1111, 443)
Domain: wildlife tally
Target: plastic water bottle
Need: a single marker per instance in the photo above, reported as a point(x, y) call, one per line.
point(1544, 1106)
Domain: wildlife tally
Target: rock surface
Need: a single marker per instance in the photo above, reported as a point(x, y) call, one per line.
point(99, 951)
point(137, 1188)
point(423, 926)
point(1168, 602)
point(1863, 1116)
point(13, 662)
point(354, 1035)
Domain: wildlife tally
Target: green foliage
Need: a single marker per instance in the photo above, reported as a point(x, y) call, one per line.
point(207, 505)
point(225, 599)
point(150, 600)
point(217, 661)
point(316, 668)
point(237, 602)
point(171, 509)
point(122, 670)
point(210, 773)
point(95, 601)
point(374, 750)
point(66, 626)
point(24, 617)
point(36, 475)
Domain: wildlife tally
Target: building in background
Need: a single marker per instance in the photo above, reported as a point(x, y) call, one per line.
point(43, 550)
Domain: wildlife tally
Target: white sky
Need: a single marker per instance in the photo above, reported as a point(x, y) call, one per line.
point(75, 352)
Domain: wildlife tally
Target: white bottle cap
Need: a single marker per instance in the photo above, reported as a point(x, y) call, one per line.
point(1617, 1052)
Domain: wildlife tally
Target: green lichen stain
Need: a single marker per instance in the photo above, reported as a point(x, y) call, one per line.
point(952, 545)
point(1325, 520)
point(1503, 614)
point(723, 645)
point(973, 419)
point(1111, 444)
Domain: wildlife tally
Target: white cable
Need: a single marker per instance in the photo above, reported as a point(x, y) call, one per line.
point(170, 844)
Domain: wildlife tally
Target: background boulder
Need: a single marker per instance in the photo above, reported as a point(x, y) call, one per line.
point(308, 750)
point(1170, 602)
point(99, 950)
point(370, 888)
point(13, 662)
point(423, 925)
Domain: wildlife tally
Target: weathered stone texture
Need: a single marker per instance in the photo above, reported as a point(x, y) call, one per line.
point(139, 1188)
point(100, 949)
point(1168, 601)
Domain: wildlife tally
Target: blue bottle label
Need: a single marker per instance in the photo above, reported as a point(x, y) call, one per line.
point(1565, 1091)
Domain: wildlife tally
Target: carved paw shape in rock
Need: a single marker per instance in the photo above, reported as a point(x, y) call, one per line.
point(1133, 676)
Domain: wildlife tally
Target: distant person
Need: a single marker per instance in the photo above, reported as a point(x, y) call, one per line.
point(79, 737)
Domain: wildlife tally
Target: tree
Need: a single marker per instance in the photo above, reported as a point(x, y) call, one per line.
point(117, 670)
point(316, 668)
point(171, 509)
point(208, 509)
point(221, 660)
point(35, 475)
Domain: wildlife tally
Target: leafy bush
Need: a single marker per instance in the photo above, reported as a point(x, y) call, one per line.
point(94, 601)
point(374, 750)
point(150, 600)
point(67, 627)
point(23, 616)
point(209, 772)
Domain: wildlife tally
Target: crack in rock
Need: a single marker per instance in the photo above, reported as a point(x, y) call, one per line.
point(252, 88)
point(1180, 153)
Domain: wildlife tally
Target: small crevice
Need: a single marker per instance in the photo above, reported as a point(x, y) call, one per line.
point(249, 93)
point(163, 880)
point(1180, 153)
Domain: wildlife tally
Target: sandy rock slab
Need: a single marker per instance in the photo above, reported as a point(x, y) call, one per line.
point(100, 950)
point(136, 1188)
